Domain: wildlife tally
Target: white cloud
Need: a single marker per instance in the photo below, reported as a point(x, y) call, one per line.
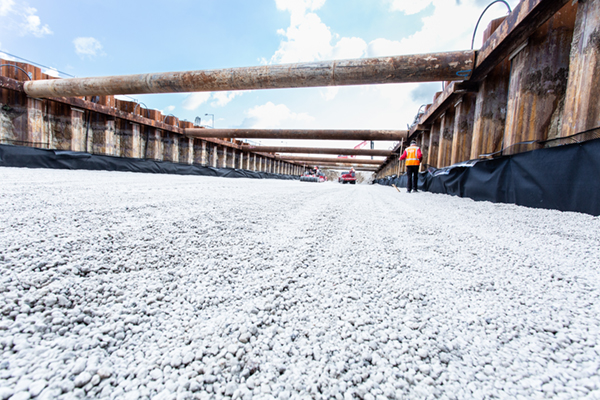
point(330, 92)
point(307, 40)
point(384, 47)
point(221, 99)
point(6, 6)
point(298, 8)
point(5, 56)
point(299, 5)
point(270, 115)
point(87, 46)
point(170, 108)
point(449, 27)
point(33, 24)
point(390, 106)
point(23, 19)
point(195, 100)
point(51, 71)
point(349, 48)
point(409, 7)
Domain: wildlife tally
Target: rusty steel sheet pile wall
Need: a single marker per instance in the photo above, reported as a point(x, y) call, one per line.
point(537, 78)
point(103, 125)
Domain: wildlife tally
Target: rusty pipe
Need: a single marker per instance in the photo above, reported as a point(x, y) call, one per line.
point(343, 166)
point(342, 161)
point(317, 150)
point(448, 66)
point(314, 134)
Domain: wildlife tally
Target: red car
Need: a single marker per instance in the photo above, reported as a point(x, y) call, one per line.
point(348, 177)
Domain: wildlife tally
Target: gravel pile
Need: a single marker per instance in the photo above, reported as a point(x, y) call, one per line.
point(133, 286)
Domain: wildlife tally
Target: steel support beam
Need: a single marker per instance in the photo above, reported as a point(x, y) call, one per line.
point(449, 66)
point(341, 161)
point(345, 167)
point(313, 134)
point(317, 150)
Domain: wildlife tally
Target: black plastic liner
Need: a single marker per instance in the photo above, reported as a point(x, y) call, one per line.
point(28, 157)
point(565, 178)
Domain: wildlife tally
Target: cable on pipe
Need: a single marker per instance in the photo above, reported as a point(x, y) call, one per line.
point(481, 16)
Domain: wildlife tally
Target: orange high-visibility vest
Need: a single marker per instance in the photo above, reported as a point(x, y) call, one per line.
point(411, 156)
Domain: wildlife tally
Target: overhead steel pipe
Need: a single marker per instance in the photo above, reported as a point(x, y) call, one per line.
point(317, 150)
point(449, 66)
point(313, 134)
point(345, 167)
point(342, 161)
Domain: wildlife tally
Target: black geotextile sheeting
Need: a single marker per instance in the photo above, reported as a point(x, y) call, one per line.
point(28, 157)
point(565, 178)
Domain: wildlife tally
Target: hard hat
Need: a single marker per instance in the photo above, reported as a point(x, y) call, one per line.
point(413, 142)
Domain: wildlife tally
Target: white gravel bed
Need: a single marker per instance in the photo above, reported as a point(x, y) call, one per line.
point(134, 286)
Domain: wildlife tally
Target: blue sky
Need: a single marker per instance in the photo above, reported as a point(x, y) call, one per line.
point(109, 37)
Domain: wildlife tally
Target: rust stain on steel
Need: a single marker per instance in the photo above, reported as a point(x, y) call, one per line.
point(330, 160)
point(431, 67)
point(582, 99)
point(463, 129)
point(10, 84)
point(318, 134)
point(341, 165)
point(318, 150)
point(539, 75)
point(490, 108)
point(344, 166)
point(447, 98)
point(525, 19)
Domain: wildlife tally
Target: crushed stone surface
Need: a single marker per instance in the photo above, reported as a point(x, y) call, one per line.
point(137, 286)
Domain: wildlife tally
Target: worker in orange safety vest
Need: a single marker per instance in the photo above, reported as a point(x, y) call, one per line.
point(413, 157)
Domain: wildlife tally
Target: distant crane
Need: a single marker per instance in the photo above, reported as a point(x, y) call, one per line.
point(358, 146)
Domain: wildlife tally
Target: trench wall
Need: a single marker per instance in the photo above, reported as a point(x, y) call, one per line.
point(546, 93)
point(106, 126)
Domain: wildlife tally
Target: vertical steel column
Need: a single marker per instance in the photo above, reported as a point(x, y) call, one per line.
point(204, 154)
point(434, 138)
point(136, 149)
point(36, 134)
point(582, 100)
point(446, 135)
point(77, 138)
point(190, 152)
point(463, 128)
point(223, 158)
point(538, 82)
point(490, 106)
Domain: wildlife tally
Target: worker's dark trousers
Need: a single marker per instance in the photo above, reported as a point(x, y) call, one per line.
point(412, 172)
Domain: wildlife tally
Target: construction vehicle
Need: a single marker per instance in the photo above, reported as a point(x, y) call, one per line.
point(313, 175)
point(348, 177)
